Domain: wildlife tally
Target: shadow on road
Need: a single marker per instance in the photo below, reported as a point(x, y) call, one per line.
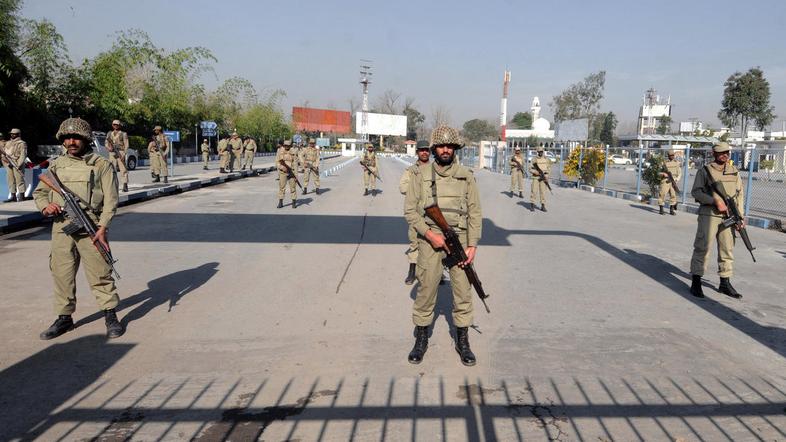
point(645, 208)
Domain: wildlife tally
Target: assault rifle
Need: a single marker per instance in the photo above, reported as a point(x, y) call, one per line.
point(80, 222)
point(671, 179)
point(456, 253)
point(518, 165)
point(362, 163)
point(10, 160)
point(542, 176)
point(733, 217)
point(290, 172)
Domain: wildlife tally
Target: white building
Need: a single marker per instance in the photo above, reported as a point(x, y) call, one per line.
point(541, 127)
point(652, 111)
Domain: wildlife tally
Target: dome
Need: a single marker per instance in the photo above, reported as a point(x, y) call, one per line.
point(541, 125)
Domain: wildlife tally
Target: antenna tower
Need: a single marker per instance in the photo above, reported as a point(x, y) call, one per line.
point(365, 80)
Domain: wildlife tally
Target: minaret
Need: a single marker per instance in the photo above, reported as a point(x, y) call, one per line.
point(503, 114)
point(535, 109)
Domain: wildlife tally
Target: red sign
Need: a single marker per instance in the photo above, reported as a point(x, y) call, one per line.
point(321, 120)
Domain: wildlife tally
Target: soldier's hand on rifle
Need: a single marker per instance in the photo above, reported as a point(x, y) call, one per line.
point(470, 251)
point(741, 225)
point(101, 237)
point(664, 174)
point(437, 240)
point(52, 209)
point(721, 205)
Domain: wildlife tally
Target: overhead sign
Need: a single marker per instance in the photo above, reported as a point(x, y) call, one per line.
point(173, 135)
point(323, 142)
point(208, 125)
point(208, 132)
point(297, 139)
point(381, 124)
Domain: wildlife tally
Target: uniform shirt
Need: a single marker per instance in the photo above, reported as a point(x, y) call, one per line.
point(163, 144)
point(289, 158)
point(205, 148)
point(17, 150)
point(456, 195)
point(91, 177)
point(674, 168)
point(118, 140)
point(406, 177)
point(222, 145)
point(250, 145)
point(727, 176)
point(311, 157)
point(369, 159)
point(516, 162)
point(236, 143)
point(153, 149)
point(544, 165)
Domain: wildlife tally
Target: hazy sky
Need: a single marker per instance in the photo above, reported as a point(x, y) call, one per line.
point(453, 53)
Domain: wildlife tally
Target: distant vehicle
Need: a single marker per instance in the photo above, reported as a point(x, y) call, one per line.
point(620, 160)
point(548, 154)
point(99, 145)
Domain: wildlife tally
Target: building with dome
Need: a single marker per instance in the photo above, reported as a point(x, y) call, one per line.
point(541, 127)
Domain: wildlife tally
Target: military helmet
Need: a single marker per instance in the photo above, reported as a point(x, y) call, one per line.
point(158, 128)
point(721, 147)
point(312, 141)
point(540, 148)
point(234, 134)
point(517, 149)
point(15, 131)
point(671, 152)
point(369, 145)
point(74, 126)
point(115, 122)
point(446, 135)
point(287, 142)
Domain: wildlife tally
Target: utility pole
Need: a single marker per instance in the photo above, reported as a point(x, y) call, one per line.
point(365, 80)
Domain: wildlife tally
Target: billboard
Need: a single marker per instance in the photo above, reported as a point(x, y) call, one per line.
point(571, 130)
point(308, 119)
point(382, 124)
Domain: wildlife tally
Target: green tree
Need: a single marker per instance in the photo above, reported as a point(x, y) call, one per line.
point(579, 100)
point(44, 53)
point(608, 128)
point(12, 71)
point(477, 129)
point(415, 118)
point(664, 125)
point(746, 99)
point(593, 163)
point(522, 120)
point(651, 174)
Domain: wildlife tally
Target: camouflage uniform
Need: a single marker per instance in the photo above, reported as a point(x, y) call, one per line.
point(157, 150)
point(539, 188)
point(249, 150)
point(205, 154)
point(223, 154)
point(666, 186)
point(517, 173)
point(290, 158)
point(311, 165)
point(369, 159)
point(236, 144)
point(117, 145)
point(15, 176)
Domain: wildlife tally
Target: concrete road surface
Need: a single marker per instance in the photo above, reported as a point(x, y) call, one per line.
point(251, 322)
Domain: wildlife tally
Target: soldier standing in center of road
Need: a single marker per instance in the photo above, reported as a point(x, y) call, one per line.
point(117, 145)
point(311, 165)
point(289, 157)
point(452, 187)
point(16, 149)
point(94, 181)
point(517, 173)
point(157, 150)
point(205, 153)
point(237, 151)
point(711, 212)
point(369, 160)
point(538, 182)
point(223, 155)
point(249, 150)
point(667, 187)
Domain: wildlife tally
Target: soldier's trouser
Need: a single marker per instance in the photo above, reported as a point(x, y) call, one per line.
point(119, 163)
point(236, 157)
point(369, 180)
point(667, 189)
point(709, 228)
point(516, 180)
point(224, 159)
point(538, 189)
point(15, 179)
point(66, 254)
point(248, 159)
point(158, 165)
point(282, 184)
point(412, 251)
point(307, 175)
point(205, 158)
point(429, 272)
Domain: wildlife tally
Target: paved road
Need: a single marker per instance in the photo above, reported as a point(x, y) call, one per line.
point(248, 321)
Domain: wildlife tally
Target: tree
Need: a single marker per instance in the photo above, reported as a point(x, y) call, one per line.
point(651, 174)
point(593, 163)
point(44, 52)
point(664, 125)
point(12, 71)
point(746, 99)
point(477, 129)
point(522, 120)
point(440, 116)
point(388, 102)
point(415, 119)
point(608, 128)
point(579, 100)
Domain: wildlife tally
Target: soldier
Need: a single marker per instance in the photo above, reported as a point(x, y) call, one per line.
point(117, 145)
point(249, 150)
point(16, 149)
point(423, 153)
point(538, 182)
point(369, 159)
point(667, 187)
point(711, 211)
point(205, 153)
point(290, 158)
point(517, 173)
point(157, 150)
point(311, 165)
point(451, 186)
point(237, 151)
point(223, 155)
point(93, 180)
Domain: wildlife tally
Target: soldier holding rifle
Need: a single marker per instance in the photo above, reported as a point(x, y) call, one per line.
point(668, 185)
point(517, 173)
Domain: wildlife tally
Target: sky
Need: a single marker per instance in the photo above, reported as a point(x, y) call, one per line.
point(452, 54)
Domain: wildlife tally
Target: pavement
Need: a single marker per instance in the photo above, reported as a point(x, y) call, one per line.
point(250, 322)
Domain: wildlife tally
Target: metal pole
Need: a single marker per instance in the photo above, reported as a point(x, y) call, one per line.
point(606, 167)
point(638, 174)
point(685, 173)
point(561, 159)
point(171, 157)
point(750, 183)
point(196, 141)
point(526, 159)
point(581, 159)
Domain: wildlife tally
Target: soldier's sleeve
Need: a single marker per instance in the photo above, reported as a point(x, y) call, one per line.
point(699, 190)
point(678, 175)
point(125, 140)
point(739, 198)
point(319, 158)
point(411, 206)
point(42, 193)
point(111, 198)
point(150, 147)
point(474, 214)
point(20, 161)
point(403, 183)
point(532, 169)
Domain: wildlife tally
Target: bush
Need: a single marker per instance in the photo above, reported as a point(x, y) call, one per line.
point(767, 164)
point(651, 174)
point(138, 143)
point(592, 164)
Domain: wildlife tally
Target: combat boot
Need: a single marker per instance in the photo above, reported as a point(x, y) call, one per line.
point(125, 187)
point(673, 210)
point(156, 179)
point(62, 324)
point(411, 275)
point(462, 346)
point(11, 199)
point(204, 168)
point(365, 193)
point(531, 207)
point(661, 210)
point(166, 180)
point(421, 345)
point(510, 194)
point(280, 204)
point(294, 204)
point(316, 190)
point(727, 289)
point(695, 286)
point(221, 170)
point(305, 190)
point(521, 194)
point(114, 329)
point(543, 207)
point(243, 168)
